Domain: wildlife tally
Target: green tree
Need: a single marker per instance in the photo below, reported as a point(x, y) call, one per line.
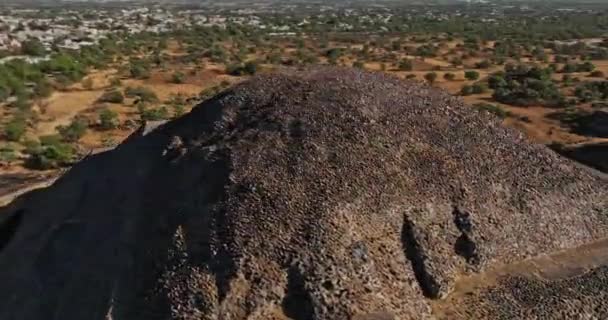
point(49, 153)
point(74, 131)
point(108, 119)
point(15, 129)
point(471, 75)
point(112, 96)
point(466, 90)
point(33, 47)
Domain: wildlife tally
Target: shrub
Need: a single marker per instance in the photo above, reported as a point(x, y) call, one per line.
point(7, 153)
point(410, 76)
point(15, 129)
point(178, 110)
point(108, 119)
point(485, 64)
point(238, 69)
point(139, 69)
point(466, 90)
point(430, 77)
point(478, 88)
point(144, 94)
point(115, 82)
point(74, 131)
point(471, 75)
point(112, 96)
point(449, 76)
point(153, 114)
point(22, 103)
point(494, 109)
point(177, 77)
point(496, 81)
point(33, 47)
point(406, 65)
point(43, 89)
point(251, 67)
point(528, 85)
point(50, 153)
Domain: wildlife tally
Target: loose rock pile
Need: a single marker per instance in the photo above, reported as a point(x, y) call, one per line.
point(326, 194)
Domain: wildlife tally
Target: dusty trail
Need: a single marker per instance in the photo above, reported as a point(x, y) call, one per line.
point(562, 265)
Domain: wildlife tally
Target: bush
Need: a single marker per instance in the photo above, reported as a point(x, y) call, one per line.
point(7, 153)
point(430, 77)
point(139, 69)
point(410, 76)
point(485, 64)
point(50, 153)
point(494, 109)
point(406, 65)
point(153, 114)
point(528, 85)
point(178, 110)
point(144, 94)
point(74, 131)
point(15, 129)
point(33, 47)
point(112, 96)
point(115, 82)
point(22, 103)
point(466, 90)
point(478, 88)
point(449, 76)
point(108, 119)
point(249, 68)
point(496, 81)
point(177, 77)
point(471, 75)
point(43, 89)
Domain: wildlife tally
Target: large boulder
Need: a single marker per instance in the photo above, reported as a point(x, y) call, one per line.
point(326, 194)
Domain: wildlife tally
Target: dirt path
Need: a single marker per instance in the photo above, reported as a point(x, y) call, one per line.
point(561, 265)
point(62, 107)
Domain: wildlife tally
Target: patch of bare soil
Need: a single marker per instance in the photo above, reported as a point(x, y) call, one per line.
point(539, 281)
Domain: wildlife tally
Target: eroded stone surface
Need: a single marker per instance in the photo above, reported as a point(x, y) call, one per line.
point(331, 194)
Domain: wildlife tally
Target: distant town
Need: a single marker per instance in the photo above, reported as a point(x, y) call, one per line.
point(76, 77)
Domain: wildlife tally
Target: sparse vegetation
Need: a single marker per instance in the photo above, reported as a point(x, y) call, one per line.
point(471, 75)
point(74, 131)
point(430, 77)
point(491, 108)
point(15, 129)
point(108, 119)
point(112, 96)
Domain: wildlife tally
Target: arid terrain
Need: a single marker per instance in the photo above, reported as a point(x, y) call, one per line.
point(427, 161)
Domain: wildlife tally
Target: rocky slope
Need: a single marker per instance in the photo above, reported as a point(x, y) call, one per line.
point(327, 194)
